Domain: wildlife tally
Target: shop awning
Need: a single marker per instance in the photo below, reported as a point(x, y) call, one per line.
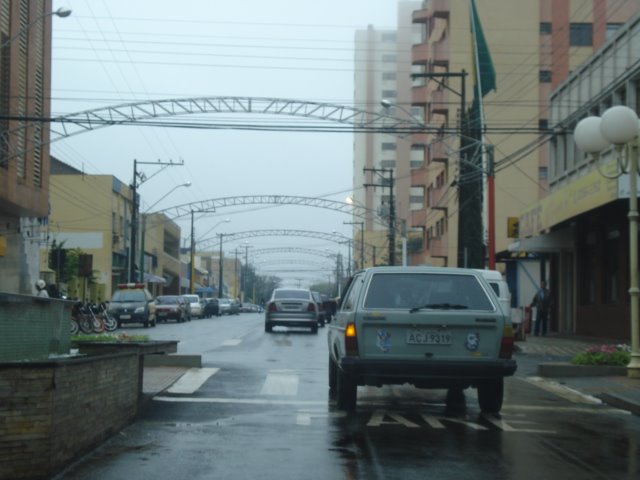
point(551, 242)
point(150, 278)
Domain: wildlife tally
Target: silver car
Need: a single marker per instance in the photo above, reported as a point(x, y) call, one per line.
point(291, 307)
point(431, 327)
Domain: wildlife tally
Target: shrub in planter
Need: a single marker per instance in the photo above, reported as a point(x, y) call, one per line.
point(617, 355)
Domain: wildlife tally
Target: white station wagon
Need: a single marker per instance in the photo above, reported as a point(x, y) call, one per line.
point(427, 326)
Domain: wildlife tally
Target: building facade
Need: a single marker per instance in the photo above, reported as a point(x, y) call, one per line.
point(25, 78)
point(382, 162)
point(582, 222)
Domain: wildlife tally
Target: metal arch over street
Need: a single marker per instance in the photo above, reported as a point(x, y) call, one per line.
point(305, 251)
point(231, 237)
point(151, 113)
point(215, 203)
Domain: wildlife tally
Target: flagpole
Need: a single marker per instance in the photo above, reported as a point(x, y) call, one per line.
point(488, 179)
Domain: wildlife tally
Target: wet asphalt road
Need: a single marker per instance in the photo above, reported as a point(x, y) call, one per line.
point(264, 413)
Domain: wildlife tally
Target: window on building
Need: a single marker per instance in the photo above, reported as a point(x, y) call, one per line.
point(388, 37)
point(416, 164)
point(389, 94)
point(389, 75)
point(612, 263)
point(388, 164)
point(581, 35)
point(545, 76)
point(543, 124)
point(542, 173)
point(387, 146)
point(389, 58)
point(612, 28)
point(589, 264)
point(545, 28)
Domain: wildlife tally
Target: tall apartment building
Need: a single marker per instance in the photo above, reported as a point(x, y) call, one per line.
point(382, 72)
point(25, 78)
point(534, 45)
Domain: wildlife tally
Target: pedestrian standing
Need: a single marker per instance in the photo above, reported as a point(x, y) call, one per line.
point(542, 301)
point(41, 289)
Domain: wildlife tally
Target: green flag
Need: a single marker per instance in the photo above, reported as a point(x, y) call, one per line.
point(483, 71)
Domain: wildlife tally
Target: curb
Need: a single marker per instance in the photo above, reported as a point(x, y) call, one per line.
point(564, 369)
point(619, 401)
point(189, 361)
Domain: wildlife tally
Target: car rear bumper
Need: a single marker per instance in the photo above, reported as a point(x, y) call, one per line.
point(432, 374)
point(299, 319)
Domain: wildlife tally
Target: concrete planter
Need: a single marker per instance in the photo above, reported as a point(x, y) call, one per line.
point(565, 369)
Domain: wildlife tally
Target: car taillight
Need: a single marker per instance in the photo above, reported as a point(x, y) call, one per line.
point(506, 345)
point(311, 307)
point(273, 307)
point(351, 339)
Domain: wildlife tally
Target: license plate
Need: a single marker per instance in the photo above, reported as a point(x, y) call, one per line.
point(125, 317)
point(429, 337)
point(162, 314)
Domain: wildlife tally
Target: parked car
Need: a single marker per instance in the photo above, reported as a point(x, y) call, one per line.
point(322, 317)
point(225, 306)
point(428, 326)
point(133, 303)
point(249, 308)
point(195, 306)
point(211, 308)
point(234, 308)
point(171, 307)
point(291, 307)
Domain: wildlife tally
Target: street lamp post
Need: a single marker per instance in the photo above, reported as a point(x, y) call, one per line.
point(61, 12)
point(192, 248)
point(361, 240)
point(619, 126)
point(143, 220)
point(220, 267)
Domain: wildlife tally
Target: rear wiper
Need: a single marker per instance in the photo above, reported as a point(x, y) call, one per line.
point(439, 306)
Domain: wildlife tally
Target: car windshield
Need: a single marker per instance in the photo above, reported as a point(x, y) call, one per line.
point(129, 296)
point(298, 294)
point(192, 298)
point(166, 300)
point(426, 291)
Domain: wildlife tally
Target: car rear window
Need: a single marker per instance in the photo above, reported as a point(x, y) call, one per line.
point(301, 294)
point(129, 296)
point(406, 291)
point(166, 300)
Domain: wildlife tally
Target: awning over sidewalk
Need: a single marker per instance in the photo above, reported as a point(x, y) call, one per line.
point(150, 278)
point(551, 242)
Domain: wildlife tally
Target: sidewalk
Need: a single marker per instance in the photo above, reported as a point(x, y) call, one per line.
point(553, 353)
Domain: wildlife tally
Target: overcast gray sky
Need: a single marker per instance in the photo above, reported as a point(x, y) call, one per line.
point(110, 52)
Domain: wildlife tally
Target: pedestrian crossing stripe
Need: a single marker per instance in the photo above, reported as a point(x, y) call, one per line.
point(192, 380)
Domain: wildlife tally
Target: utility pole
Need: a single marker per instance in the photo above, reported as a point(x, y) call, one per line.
point(192, 267)
point(135, 207)
point(387, 182)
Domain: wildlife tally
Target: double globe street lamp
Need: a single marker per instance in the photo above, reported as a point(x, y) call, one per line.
point(619, 126)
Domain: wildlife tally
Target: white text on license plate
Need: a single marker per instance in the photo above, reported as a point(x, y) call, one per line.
point(428, 337)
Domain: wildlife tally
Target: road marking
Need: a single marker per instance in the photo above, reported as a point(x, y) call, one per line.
point(232, 342)
point(280, 382)
point(303, 417)
point(241, 401)
point(562, 391)
point(192, 380)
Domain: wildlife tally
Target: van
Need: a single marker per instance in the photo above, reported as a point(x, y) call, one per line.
point(495, 280)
